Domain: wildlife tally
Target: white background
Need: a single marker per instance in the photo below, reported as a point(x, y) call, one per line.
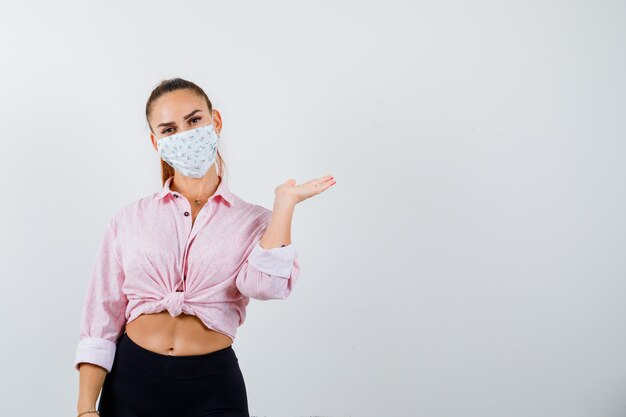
point(468, 262)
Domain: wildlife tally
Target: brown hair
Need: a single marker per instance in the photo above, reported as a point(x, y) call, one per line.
point(167, 86)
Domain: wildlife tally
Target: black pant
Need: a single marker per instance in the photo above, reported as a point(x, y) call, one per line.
point(143, 383)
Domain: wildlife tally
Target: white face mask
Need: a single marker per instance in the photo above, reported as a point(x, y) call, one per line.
point(191, 152)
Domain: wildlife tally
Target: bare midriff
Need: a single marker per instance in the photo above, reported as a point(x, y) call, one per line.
point(182, 335)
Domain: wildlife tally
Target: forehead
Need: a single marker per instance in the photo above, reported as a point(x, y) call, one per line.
point(175, 105)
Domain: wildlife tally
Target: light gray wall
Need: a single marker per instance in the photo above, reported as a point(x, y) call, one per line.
point(468, 262)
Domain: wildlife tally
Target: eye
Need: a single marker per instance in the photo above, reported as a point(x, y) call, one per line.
point(197, 118)
point(165, 131)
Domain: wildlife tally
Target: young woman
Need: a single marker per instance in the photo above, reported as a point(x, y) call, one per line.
point(175, 271)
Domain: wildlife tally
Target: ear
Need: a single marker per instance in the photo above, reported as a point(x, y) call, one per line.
point(217, 121)
point(154, 142)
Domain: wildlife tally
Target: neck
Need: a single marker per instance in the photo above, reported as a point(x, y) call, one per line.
point(195, 188)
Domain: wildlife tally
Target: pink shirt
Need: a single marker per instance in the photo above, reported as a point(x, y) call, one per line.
point(150, 248)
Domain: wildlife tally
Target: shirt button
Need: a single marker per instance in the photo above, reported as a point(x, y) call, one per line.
point(186, 213)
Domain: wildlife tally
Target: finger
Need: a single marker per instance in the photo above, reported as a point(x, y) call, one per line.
point(326, 185)
point(320, 180)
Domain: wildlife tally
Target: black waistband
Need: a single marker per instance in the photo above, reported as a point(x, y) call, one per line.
point(129, 353)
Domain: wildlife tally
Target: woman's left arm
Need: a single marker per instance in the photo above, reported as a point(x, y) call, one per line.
point(278, 231)
point(271, 270)
point(287, 195)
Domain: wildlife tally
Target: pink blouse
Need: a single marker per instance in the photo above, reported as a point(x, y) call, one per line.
point(151, 258)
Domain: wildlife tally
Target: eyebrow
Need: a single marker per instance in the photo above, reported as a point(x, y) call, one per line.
point(173, 123)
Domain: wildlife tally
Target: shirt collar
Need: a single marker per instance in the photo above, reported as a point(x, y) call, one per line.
point(222, 190)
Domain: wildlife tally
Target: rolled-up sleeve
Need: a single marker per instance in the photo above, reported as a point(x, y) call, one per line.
point(103, 314)
point(269, 274)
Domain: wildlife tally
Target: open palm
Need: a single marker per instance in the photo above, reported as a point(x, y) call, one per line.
point(297, 193)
